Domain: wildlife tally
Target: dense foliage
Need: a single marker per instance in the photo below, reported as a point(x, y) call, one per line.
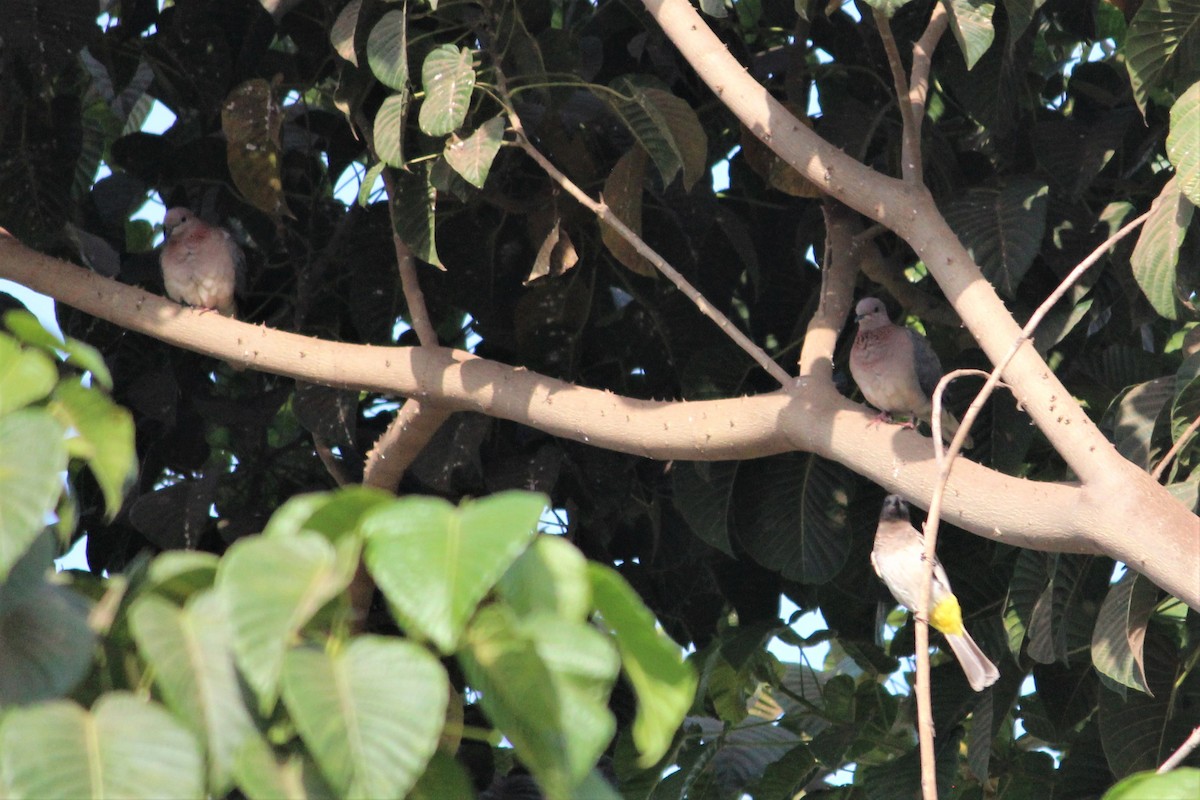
point(1050, 124)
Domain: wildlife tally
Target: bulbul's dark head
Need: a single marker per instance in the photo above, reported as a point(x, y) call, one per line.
point(894, 508)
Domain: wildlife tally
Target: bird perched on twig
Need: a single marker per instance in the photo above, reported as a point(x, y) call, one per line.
point(899, 560)
point(896, 369)
point(202, 266)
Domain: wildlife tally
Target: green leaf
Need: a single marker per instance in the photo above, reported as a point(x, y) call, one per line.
point(435, 562)
point(1156, 256)
point(341, 34)
point(125, 747)
point(1002, 227)
point(191, 651)
point(387, 50)
point(368, 183)
point(261, 775)
point(887, 7)
point(664, 683)
point(272, 588)
point(550, 576)
point(791, 512)
point(179, 574)
point(544, 683)
point(28, 328)
point(335, 515)
point(665, 126)
point(252, 121)
point(472, 157)
point(26, 376)
point(1185, 407)
point(388, 135)
point(448, 77)
point(623, 195)
point(1182, 783)
point(46, 645)
point(703, 494)
point(1121, 630)
point(444, 777)
point(413, 207)
point(33, 458)
point(971, 23)
point(370, 714)
point(1161, 44)
point(1183, 142)
point(104, 438)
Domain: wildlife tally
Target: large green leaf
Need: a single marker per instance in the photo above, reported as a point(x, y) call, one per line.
point(26, 375)
point(448, 77)
point(544, 682)
point(664, 683)
point(1178, 784)
point(46, 645)
point(1002, 227)
point(472, 157)
point(334, 515)
point(370, 714)
point(1138, 730)
point(191, 651)
point(1161, 45)
point(263, 775)
point(33, 458)
point(28, 329)
point(550, 576)
point(1155, 258)
point(388, 130)
point(414, 206)
point(703, 494)
point(435, 562)
point(341, 34)
point(1185, 407)
point(1183, 142)
point(124, 747)
point(272, 588)
point(971, 23)
point(790, 514)
point(1121, 630)
point(387, 50)
point(103, 437)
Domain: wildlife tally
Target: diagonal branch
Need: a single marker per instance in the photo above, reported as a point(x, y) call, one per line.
point(607, 217)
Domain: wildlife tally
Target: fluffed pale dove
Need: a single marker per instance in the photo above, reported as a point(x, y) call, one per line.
point(896, 369)
point(202, 266)
point(899, 560)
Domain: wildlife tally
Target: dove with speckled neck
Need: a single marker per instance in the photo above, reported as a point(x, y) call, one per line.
point(895, 368)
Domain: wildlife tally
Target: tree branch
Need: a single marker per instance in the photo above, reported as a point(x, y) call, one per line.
point(1154, 539)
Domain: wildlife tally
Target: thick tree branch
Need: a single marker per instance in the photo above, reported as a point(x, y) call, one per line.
point(1154, 540)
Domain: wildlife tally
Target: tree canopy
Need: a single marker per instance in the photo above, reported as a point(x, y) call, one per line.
point(538, 400)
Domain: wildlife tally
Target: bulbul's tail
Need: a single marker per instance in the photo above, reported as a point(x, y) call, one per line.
point(980, 671)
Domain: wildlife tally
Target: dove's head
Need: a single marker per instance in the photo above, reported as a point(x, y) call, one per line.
point(176, 217)
point(870, 313)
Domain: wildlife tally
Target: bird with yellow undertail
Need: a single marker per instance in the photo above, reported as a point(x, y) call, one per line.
point(898, 559)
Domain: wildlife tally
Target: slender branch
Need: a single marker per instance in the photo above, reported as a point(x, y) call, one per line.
point(910, 146)
point(945, 462)
point(604, 213)
point(922, 60)
point(1175, 448)
point(1185, 749)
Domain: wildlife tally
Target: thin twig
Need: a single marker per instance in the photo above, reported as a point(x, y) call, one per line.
point(1185, 749)
point(1175, 448)
point(945, 461)
point(604, 213)
point(922, 60)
